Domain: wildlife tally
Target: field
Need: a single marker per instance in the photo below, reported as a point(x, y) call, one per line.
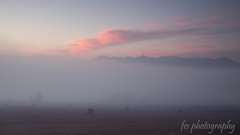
point(106, 121)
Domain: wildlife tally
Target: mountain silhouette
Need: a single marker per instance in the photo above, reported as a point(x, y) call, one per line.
point(176, 61)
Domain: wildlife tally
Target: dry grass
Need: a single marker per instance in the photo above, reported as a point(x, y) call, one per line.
point(74, 121)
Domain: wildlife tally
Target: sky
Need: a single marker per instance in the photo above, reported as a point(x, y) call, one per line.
point(41, 39)
point(88, 28)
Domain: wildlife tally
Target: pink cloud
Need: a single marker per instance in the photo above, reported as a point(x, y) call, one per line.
point(179, 50)
point(187, 18)
point(32, 52)
point(217, 24)
point(175, 20)
point(116, 36)
point(215, 17)
point(191, 18)
point(197, 49)
point(150, 24)
point(211, 23)
point(60, 52)
point(45, 51)
point(121, 36)
point(56, 52)
point(194, 25)
point(85, 45)
point(52, 32)
point(186, 46)
point(186, 26)
point(152, 53)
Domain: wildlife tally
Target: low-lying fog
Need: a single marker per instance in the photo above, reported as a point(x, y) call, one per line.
point(61, 80)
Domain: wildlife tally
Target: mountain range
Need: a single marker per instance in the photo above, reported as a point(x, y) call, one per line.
point(223, 62)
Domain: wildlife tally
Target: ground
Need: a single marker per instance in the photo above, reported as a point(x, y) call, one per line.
point(75, 121)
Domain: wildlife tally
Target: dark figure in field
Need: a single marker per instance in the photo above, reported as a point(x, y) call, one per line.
point(127, 109)
point(90, 111)
point(179, 110)
point(68, 105)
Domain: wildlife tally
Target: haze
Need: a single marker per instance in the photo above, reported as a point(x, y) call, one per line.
point(47, 47)
point(77, 81)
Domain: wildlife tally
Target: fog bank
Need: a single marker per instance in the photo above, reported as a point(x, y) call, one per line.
point(62, 80)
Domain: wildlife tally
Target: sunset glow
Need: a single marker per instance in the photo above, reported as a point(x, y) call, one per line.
point(64, 29)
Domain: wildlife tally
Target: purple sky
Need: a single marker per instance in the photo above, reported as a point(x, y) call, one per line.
point(89, 28)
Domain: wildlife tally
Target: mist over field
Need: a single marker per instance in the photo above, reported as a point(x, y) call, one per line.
point(119, 67)
point(106, 82)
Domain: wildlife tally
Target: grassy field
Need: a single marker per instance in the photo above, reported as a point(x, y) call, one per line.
point(75, 121)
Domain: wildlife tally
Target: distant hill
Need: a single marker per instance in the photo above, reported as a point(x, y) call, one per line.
point(223, 62)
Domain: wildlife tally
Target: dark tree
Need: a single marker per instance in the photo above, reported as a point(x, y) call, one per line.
point(31, 99)
point(39, 97)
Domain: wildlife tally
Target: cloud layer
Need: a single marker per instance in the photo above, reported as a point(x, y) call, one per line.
point(197, 31)
point(186, 26)
point(116, 36)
